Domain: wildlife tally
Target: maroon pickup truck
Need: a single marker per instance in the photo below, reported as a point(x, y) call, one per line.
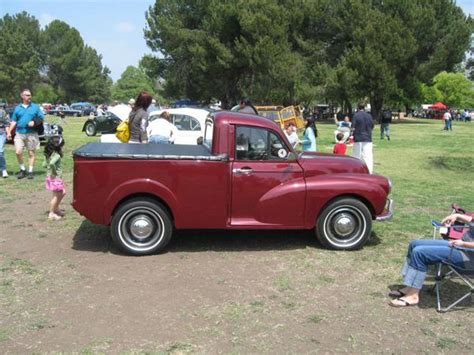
point(244, 176)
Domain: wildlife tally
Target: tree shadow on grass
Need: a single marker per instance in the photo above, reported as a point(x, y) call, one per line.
point(96, 238)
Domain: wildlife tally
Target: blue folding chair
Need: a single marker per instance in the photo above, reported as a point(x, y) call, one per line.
point(447, 270)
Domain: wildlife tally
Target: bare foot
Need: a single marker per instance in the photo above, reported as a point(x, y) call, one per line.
point(403, 302)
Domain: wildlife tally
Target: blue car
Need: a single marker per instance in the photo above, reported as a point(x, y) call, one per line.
point(85, 107)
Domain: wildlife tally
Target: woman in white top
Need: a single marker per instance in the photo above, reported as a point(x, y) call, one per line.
point(161, 130)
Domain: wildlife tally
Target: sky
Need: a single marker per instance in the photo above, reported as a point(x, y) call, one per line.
point(114, 28)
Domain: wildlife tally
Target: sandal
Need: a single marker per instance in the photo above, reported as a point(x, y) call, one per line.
point(54, 217)
point(403, 304)
point(396, 294)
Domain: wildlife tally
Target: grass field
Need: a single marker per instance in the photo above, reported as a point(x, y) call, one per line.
point(270, 293)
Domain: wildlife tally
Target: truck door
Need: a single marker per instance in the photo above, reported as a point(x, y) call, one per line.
point(268, 187)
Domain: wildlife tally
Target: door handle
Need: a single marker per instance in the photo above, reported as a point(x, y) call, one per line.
point(243, 171)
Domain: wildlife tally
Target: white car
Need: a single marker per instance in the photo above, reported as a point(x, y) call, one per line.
point(188, 121)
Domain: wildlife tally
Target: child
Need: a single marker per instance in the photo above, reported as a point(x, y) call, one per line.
point(54, 182)
point(340, 146)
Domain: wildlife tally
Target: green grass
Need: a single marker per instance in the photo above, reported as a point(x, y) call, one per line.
point(429, 168)
point(306, 286)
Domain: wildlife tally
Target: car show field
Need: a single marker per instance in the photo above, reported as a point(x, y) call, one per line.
point(65, 287)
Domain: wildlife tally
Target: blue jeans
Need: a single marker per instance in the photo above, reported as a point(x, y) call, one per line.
point(159, 140)
point(384, 130)
point(448, 126)
point(424, 252)
point(3, 163)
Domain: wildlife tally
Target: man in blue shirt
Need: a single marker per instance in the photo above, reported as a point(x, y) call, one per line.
point(363, 125)
point(26, 135)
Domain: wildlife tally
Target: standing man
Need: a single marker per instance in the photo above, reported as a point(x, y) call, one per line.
point(363, 125)
point(385, 124)
point(26, 136)
point(4, 132)
point(447, 121)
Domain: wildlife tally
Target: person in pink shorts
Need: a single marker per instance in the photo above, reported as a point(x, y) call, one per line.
point(54, 182)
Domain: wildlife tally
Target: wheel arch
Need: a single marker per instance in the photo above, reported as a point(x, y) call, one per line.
point(86, 123)
point(361, 198)
point(147, 196)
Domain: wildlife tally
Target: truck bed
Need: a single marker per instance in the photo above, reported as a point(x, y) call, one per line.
point(146, 151)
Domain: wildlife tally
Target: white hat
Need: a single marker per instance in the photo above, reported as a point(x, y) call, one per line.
point(153, 101)
point(131, 102)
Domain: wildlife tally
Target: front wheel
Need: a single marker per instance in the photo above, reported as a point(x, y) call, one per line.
point(141, 227)
point(345, 224)
point(90, 129)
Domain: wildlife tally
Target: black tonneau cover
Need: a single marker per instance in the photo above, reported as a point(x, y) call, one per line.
point(146, 151)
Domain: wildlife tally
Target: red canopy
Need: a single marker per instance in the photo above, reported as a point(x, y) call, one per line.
point(438, 106)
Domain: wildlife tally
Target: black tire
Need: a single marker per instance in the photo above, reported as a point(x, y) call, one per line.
point(75, 114)
point(90, 129)
point(344, 224)
point(141, 227)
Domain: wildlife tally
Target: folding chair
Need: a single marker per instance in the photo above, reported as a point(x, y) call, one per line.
point(465, 274)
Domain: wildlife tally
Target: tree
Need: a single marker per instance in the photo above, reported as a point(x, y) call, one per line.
point(131, 82)
point(288, 50)
point(44, 92)
point(223, 49)
point(453, 89)
point(74, 69)
point(20, 54)
point(95, 80)
point(63, 47)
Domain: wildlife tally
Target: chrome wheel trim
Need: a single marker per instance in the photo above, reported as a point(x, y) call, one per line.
point(344, 226)
point(90, 129)
point(141, 229)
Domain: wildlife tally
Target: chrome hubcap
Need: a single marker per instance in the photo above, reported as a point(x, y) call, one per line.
point(141, 227)
point(344, 224)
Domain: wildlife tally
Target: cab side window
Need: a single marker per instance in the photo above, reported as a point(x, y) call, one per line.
point(258, 144)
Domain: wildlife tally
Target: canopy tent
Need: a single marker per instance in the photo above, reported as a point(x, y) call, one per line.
point(438, 106)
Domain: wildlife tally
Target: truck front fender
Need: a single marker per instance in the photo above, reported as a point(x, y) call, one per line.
point(320, 190)
point(138, 187)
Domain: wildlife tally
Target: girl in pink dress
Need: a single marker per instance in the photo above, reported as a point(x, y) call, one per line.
point(54, 182)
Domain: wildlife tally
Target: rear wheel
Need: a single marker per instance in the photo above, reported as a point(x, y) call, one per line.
point(345, 224)
point(90, 129)
point(141, 227)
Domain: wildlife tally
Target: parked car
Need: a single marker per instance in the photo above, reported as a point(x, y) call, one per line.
point(189, 121)
point(184, 103)
point(106, 123)
point(86, 108)
point(68, 111)
point(245, 175)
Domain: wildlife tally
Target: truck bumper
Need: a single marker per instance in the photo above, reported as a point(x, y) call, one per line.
point(387, 213)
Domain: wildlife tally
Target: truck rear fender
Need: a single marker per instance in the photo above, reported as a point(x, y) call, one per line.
point(321, 191)
point(139, 188)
